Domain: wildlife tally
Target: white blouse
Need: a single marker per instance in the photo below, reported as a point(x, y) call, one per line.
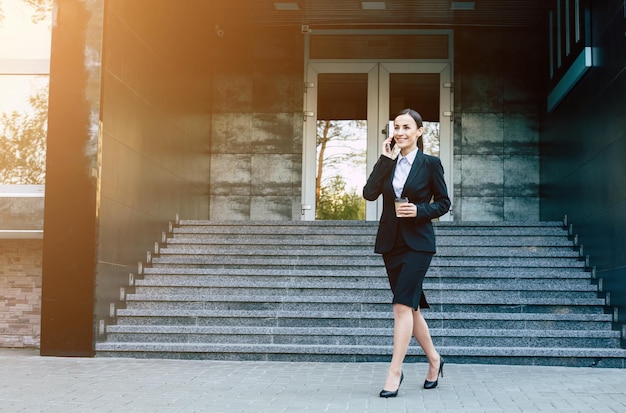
point(401, 173)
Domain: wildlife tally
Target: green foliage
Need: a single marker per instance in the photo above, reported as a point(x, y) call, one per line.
point(336, 157)
point(337, 204)
point(23, 143)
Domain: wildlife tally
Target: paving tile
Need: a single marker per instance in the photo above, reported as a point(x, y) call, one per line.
point(30, 383)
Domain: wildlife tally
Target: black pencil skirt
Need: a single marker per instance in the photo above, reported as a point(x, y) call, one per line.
point(406, 269)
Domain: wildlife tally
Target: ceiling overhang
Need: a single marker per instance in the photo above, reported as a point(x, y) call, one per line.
point(530, 14)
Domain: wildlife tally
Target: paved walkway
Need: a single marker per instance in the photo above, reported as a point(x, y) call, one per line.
point(30, 383)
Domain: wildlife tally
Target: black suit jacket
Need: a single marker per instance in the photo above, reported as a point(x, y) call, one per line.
point(424, 183)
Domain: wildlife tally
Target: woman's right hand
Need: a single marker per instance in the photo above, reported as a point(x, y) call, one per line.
point(386, 149)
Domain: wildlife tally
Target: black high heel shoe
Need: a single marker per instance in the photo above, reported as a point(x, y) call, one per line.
point(433, 384)
point(388, 393)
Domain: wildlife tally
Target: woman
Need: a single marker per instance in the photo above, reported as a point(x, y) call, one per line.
point(406, 238)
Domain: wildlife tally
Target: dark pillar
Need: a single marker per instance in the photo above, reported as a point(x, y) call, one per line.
point(70, 212)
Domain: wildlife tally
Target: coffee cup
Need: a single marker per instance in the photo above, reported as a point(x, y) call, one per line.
point(399, 202)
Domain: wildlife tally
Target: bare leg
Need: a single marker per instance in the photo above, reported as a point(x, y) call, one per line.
point(402, 329)
point(422, 335)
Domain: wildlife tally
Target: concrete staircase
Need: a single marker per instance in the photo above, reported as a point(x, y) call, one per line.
point(500, 293)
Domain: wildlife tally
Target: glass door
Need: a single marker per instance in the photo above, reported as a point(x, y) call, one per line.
point(348, 110)
point(340, 121)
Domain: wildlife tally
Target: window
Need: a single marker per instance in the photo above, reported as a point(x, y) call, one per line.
point(570, 48)
point(25, 36)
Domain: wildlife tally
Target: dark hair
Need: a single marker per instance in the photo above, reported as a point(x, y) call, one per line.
point(418, 121)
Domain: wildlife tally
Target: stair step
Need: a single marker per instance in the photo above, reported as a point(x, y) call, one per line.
point(515, 319)
point(574, 306)
point(195, 285)
point(443, 275)
point(197, 240)
point(357, 349)
point(470, 273)
point(335, 228)
point(338, 331)
point(360, 336)
point(348, 260)
point(579, 357)
point(358, 250)
point(312, 319)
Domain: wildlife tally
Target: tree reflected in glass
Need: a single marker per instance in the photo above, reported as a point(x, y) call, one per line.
point(341, 147)
point(23, 141)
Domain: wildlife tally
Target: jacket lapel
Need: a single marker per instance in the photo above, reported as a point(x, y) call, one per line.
point(417, 165)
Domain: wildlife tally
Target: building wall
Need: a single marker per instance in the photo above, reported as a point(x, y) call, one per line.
point(498, 86)
point(20, 289)
point(257, 125)
point(583, 148)
point(155, 132)
point(21, 227)
point(256, 146)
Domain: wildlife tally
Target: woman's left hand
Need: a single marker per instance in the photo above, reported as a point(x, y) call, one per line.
point(406, 210)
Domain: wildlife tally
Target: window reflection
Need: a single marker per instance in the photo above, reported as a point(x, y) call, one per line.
point(24, 73)
point(25, 29)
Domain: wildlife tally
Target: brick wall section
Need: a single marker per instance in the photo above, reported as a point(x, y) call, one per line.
point(20, 292)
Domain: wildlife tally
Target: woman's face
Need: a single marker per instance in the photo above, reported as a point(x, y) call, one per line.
point(406, 133)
